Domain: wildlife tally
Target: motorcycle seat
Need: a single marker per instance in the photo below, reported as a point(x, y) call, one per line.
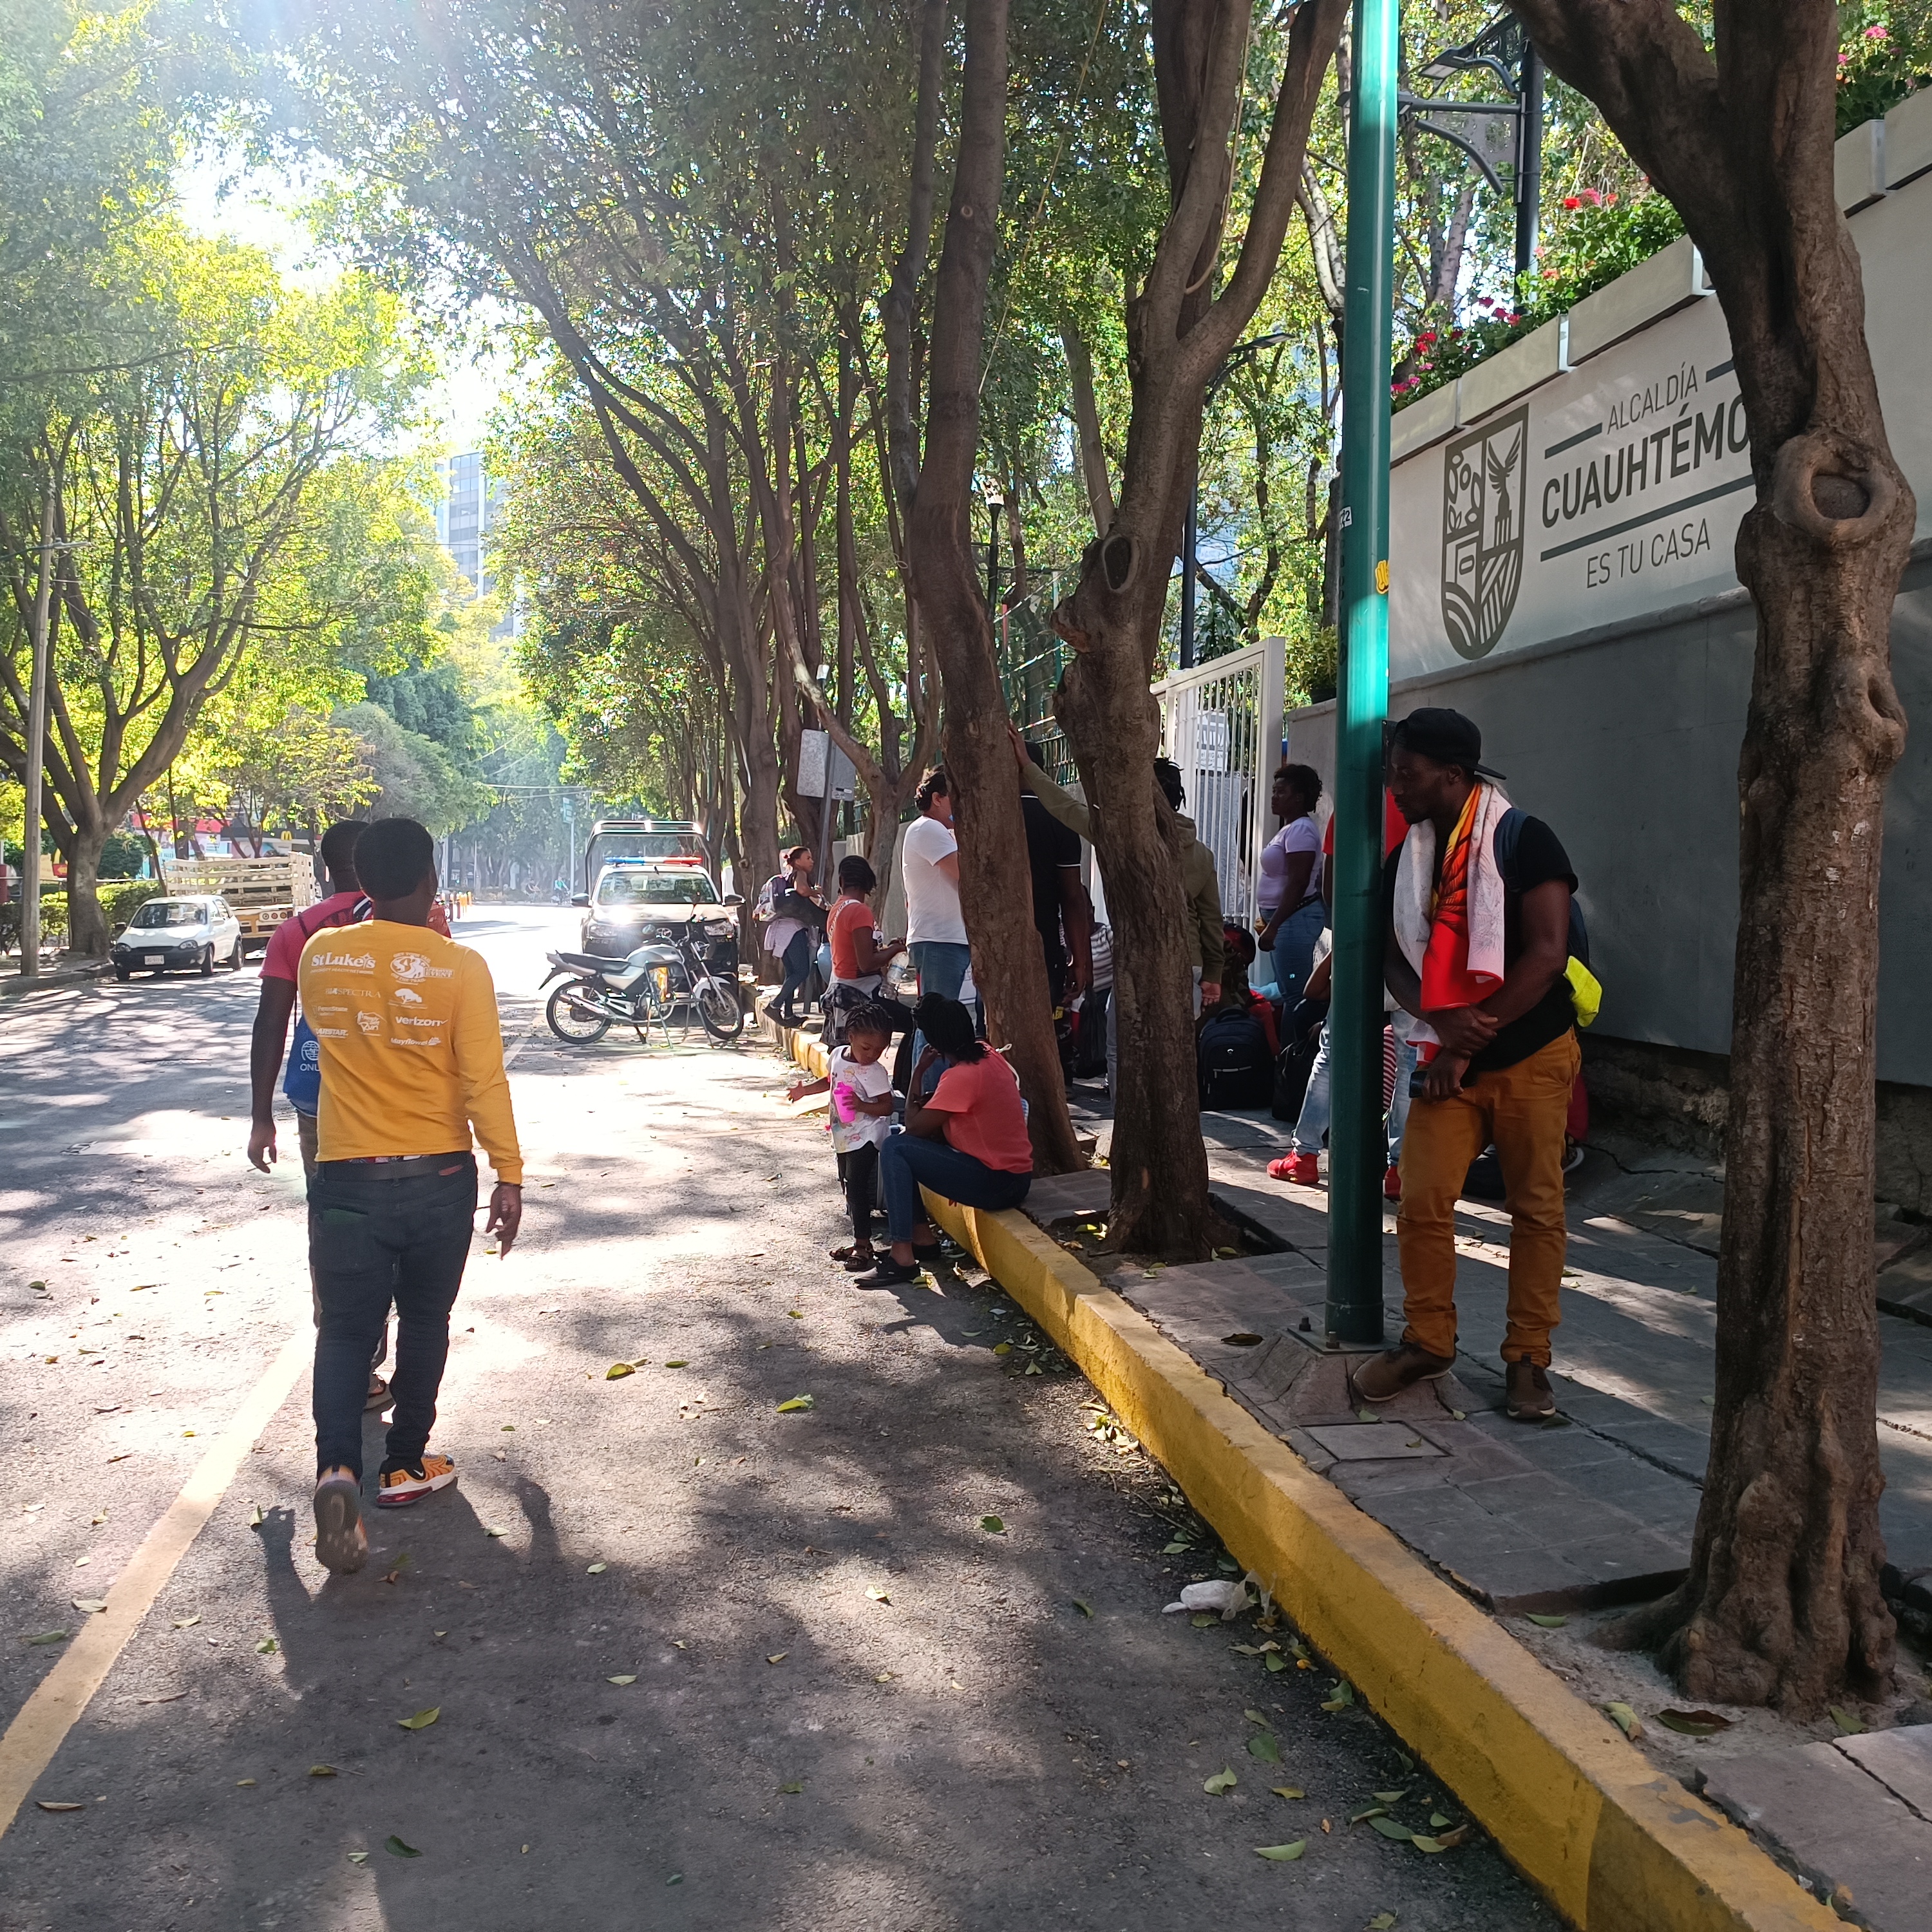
point(591, 963)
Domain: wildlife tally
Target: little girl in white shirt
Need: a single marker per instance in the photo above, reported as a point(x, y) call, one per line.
point(862, 1106)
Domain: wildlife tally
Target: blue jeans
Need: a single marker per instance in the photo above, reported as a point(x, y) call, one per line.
point(942, 967)
point(1313, 1126)
point(907, 1162)
point(797, 968)
point(1295, 942)
point(371, 1242)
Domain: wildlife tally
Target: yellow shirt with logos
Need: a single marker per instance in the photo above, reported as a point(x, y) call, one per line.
point(412, 1051)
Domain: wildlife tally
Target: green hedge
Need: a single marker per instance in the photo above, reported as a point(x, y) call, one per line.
point(118, 903)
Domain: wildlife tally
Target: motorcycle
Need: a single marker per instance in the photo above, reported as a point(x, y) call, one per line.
point(641, 992)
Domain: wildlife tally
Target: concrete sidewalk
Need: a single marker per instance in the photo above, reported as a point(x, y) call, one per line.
point(1597, 1508)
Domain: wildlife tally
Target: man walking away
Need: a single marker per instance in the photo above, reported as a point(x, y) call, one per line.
point(302, 1084)
point(412, 1059)
point(1478, 899)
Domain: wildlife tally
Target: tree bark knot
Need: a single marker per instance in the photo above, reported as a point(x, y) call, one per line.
point(1832, 490)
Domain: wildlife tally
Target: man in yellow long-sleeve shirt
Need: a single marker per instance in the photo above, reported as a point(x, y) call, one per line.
point(412, 1059)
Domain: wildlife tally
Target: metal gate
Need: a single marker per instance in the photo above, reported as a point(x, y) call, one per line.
point(1221, 723)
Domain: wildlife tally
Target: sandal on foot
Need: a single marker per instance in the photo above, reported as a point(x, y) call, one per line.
point(379, 1397)
point(857, 1262)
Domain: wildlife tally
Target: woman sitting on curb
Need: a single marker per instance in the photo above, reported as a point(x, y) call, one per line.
point(968, 1143)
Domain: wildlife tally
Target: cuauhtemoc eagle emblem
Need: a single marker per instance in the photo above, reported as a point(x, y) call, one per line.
point(1485, 478)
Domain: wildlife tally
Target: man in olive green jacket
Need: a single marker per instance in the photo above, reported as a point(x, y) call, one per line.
point(1199, 879)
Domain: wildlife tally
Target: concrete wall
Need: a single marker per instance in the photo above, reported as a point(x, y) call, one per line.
point(1626, 741)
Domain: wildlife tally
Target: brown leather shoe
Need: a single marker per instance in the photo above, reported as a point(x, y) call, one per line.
point(1384, 1376)
point(1529, 1397)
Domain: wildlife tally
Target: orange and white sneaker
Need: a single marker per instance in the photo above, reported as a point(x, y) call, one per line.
point(410, 1482)
point(341, 1543)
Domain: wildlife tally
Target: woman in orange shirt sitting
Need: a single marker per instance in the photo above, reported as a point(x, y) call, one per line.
point(968, 1142)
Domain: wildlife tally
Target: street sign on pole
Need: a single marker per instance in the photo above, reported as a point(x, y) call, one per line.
point(1356, 1149)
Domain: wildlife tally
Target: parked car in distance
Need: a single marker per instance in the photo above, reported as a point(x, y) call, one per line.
point(186, 934)
point(642, 902)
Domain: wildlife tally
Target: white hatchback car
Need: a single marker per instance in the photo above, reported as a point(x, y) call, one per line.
point(184, 934)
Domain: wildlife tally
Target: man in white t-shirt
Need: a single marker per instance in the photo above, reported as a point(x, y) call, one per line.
point(929, 865)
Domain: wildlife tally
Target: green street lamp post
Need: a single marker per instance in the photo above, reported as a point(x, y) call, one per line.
point(1357, 1155)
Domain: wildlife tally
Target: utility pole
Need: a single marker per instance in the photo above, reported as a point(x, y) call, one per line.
point(36, 738)
point(1529, 163)
point(1357, 1149)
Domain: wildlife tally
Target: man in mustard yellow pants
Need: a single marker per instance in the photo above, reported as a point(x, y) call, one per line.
point(1479, 941)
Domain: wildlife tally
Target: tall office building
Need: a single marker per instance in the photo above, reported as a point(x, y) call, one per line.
point(467, 513)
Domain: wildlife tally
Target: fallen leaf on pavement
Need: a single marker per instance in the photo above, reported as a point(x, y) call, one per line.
point(1437, 1820)
point(1693, 1723)
point(796, 1314)
point(267, 1647)
point(1367, 1414)
point(1221, 1781)
point(188, 1623)
point(631, 1679)
point(1081, 1604)
point(422, 1720)
point(1373, 1811)
point(790, 1790)
point(255, 1517)
point(1003, 1348)
point(1275, 1661)
point(677, 1365)
point(992, 1525)
point(393, 1844)
point(1544, 1622)
point(1381, 1922)
point(792, 1407)
point(1625, 1719)
point(879, 1596)
point(93, 1605)
point(1850, 1723)
point(495, 1532)
point(51, 1636)
point(617, 1370)
point(1262, 1745)
point(1344, 1695)
point(1283, 1854)
point(1389, 1829)
point(323, 1771)
point(1287, 1791)
point(1256, 1718)
point(778, 1656)
point(58, 1804)
point(244, 1784)
point(358, 1858)
point(596, 1569)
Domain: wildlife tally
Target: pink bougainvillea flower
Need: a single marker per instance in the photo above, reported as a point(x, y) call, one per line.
point(1876, 34)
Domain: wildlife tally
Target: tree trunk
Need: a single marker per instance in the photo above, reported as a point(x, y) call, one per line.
point(86, 924)
point(994, 887)
point(1782, 1604)
point(1178, 332)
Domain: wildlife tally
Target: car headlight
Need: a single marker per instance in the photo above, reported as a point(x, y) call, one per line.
point(719, 928)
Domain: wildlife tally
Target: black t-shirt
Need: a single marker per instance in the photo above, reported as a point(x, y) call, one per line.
point(1539, 857)
point(1050, 846)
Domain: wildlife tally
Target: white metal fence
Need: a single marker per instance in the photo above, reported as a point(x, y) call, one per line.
point(1221, 723)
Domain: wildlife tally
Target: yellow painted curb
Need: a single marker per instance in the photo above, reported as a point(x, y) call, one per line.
point(1613, 1843)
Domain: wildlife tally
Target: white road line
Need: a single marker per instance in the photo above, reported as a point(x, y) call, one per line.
point(43, 1721)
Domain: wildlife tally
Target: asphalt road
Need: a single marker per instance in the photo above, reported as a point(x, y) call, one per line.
point(697, 1664)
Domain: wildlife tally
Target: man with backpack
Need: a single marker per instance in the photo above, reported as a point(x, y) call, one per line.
point(1478, 897)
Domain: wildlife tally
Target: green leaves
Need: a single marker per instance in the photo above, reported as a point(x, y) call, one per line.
point(1389, 1829)
point(1545, 1622)
point(992, 1525)
point(1341, 1697)
point(48, 1636)
point(422, 1720)
point(1282, 1855)
point(796, 1406)
point(1850, 1723)
point(1262, 1745)
point(1287, 1791)
point(1693, 1723)
point(617, 1371)
point(1220, 1783)
point(396, 1848)
point(1624, 1718)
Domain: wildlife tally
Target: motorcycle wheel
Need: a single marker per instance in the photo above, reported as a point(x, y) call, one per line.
point(568, 1023)
point(718, 1007)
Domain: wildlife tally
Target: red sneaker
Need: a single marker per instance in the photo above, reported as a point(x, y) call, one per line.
point(398, 1488)
point(1304, 1169)
point(1392, 1184)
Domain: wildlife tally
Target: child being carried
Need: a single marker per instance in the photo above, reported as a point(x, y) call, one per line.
point(862, 1106)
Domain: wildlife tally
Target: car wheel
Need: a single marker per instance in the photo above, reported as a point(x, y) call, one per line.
point(207, 962)
point(235, 956)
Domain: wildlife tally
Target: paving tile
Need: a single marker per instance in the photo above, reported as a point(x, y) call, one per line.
point(1901, 1760)
point(1366, 1442)
point(1837, 1825)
